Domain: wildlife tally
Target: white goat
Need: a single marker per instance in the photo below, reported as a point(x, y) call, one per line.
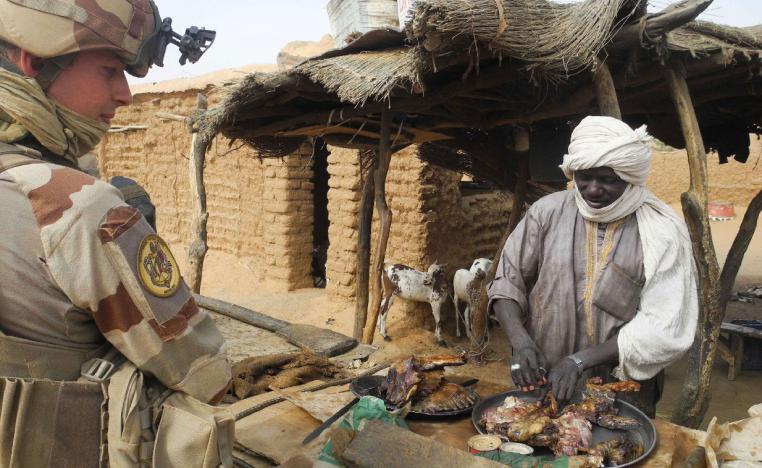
point(430, 286)
point(465, 285)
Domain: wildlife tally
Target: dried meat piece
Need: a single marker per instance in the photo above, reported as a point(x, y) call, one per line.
point(448, 397)
point(614, 421)
point(441, 361)
point(402, 381)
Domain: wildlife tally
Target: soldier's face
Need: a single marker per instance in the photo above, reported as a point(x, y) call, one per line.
point(94, 85)
point(599, 186)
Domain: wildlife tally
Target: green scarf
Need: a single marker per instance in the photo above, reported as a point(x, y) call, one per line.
point(26, 109)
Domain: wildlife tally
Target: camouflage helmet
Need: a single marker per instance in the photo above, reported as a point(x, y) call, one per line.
point(61, 28)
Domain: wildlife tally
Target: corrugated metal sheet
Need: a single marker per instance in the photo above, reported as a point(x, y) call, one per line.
point(348, 16)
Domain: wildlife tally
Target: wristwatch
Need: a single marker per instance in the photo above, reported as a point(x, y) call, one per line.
point(578, 362)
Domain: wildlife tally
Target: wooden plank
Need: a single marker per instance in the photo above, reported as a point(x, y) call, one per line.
point(741, 330)
point(382, 444)
point(308, 337)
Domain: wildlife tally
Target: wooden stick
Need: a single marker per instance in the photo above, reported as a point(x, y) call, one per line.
point(385, 215)
point(198, 247)
point(363, 251)
point(333, 383)
point(695, 394)
point(168, 116)
point(605, 92)
point(738, 249)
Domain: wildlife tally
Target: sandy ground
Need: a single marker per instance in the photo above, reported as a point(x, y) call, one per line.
point(225, 278)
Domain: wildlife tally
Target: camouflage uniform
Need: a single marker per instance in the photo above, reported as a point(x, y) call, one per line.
point(83, 273)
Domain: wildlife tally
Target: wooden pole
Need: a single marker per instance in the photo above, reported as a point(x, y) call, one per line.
point(363, 251)
point(198, 247)
point(695, 394)
point(479, 316)
point(605, 92)
point(385, 215)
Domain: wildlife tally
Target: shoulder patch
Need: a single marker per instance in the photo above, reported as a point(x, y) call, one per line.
point(157, 267)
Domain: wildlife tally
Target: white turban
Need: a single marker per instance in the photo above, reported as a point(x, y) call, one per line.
point(665, 324)
point(606, 141)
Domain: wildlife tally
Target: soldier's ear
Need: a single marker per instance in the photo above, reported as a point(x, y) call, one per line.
point(29, 63)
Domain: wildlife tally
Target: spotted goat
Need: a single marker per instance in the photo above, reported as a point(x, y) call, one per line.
point(421, 286)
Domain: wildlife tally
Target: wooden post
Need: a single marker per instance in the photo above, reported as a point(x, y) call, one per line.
point(198, 247)
point(363, 251)
point(605, 92)
point(385, 215)
point(479, 316)
point(738, 249)
point(695, 394)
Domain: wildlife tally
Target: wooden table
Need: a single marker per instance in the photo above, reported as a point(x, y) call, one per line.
point(731, 347)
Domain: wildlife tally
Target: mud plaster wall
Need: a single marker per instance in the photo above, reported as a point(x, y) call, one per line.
point(432, 221)
point(732, 182)
point(260, 211)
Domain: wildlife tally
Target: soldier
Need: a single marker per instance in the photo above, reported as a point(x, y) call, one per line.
point(86, 282)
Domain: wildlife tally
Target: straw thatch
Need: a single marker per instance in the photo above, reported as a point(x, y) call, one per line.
point(447, 86)
point(368, 75)
point(555, 39)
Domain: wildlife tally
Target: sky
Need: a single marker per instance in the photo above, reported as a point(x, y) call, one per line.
point(254, 31)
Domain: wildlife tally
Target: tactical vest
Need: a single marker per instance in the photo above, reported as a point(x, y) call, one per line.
point(50, 415)
point(55, 404)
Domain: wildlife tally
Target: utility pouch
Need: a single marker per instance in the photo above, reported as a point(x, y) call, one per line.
point(152, 426)
point(193, 434)
point(49, 423)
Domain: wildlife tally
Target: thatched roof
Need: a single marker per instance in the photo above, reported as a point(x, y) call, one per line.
point(465, 67)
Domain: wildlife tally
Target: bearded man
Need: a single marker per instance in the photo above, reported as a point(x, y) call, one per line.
point(93, 312)
point(598, 280)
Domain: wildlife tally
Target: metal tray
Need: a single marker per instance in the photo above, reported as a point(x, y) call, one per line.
point(370, 385)
point(645, 434)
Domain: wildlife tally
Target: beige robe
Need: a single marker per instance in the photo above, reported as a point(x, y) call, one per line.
point(544, 268)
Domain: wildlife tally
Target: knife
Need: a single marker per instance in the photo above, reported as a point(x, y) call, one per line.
point(312, 435)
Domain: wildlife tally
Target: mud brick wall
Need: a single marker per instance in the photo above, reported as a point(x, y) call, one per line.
point(407, 236)
point(287, 214)
point(432, 221)
point(465, 224)
point(344, 193)
point(732, 182)
point(259, 210)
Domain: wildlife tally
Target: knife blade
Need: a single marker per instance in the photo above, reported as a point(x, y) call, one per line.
point(312, 435)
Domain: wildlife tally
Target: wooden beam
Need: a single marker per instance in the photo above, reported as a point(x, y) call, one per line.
point(605, 92)
point(695, 398)
point(385, 215)
point(198, 247)
point(658, 24)
point(363, 251)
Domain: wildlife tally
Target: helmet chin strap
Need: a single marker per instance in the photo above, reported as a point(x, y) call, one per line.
point(53, 67)
point(50, 70)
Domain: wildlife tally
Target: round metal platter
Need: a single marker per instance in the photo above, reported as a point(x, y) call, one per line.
point(645, 434)
point(370, 386)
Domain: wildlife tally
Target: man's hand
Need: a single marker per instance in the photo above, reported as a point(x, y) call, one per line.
point(526, 364)
point(563, 378)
